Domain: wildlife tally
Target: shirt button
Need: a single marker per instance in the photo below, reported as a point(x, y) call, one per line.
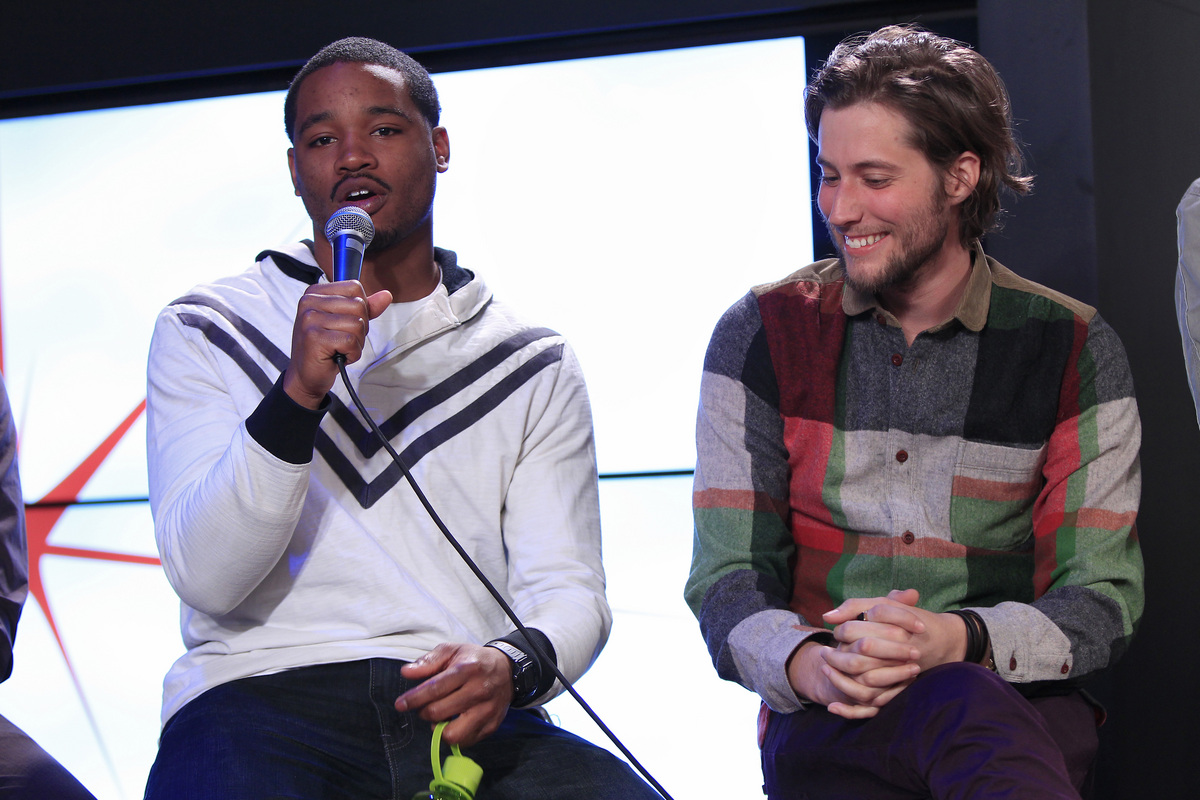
point(1065, 669)
point(1012, 664)
point(897, 359)
point(902, 456)
point(908, 537)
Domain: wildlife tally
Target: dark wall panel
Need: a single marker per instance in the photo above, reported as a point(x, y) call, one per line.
point(1048, 236)
point(1145, 109)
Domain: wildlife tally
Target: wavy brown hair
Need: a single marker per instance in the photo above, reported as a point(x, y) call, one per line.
point(951, 96)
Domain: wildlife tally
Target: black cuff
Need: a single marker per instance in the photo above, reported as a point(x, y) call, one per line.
point(546, 674)
point(286, 429)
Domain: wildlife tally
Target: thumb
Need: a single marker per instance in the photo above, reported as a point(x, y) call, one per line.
point(378, 303)
point(910, 597)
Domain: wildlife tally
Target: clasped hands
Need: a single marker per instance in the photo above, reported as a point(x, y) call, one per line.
point(876, 656)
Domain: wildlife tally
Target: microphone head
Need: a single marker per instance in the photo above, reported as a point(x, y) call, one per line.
point(351, 221)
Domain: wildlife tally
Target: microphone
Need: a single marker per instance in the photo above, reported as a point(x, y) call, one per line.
point(349, 231)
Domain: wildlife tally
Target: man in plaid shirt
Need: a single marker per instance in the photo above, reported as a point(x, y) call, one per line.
point(917, 472)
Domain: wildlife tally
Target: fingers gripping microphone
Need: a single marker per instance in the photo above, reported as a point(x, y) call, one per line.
point(349, 231)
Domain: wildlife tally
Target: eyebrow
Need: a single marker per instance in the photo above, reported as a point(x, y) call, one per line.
point(394, 111)
point(313, 119)
point(860, 165)
point(374, 111)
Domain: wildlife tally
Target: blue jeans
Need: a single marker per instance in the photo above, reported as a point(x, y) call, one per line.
point(331, 731)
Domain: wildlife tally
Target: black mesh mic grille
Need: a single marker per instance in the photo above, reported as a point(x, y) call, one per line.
point(353, 221)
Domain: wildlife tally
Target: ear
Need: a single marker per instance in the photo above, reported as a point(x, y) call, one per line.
point(962, 177)
point(441, 148)
point(292, 170)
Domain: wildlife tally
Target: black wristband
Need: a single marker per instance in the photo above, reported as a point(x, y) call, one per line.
point(977, 635)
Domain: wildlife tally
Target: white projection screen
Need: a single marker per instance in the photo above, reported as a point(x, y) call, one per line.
point(625, 201)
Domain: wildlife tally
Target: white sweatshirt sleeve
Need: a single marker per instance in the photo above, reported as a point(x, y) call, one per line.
point(224, 507)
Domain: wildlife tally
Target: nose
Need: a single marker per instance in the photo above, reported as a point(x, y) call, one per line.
point(355, 153)
point(839, 204)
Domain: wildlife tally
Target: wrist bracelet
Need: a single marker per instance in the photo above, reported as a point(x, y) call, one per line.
point(977, 635)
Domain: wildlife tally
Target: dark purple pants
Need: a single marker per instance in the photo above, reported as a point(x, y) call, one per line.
point(27, 772)
point(959, 731)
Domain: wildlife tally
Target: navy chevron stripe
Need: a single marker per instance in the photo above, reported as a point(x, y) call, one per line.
point(277, 357)
point(359, 433)
point(366, 492)
point(451, 386)
point(229, 346)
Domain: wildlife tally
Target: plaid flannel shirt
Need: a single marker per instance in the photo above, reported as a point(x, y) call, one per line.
point(992, 465)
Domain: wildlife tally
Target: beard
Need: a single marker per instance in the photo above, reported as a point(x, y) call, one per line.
point(416, 213)
point(917, 242)
point(386, 238)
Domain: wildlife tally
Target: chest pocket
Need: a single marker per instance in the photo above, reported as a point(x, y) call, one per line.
point(992, 495)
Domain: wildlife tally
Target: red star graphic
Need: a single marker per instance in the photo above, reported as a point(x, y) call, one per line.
point(40, 519)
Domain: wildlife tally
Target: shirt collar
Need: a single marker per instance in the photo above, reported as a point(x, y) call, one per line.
point(972, 309)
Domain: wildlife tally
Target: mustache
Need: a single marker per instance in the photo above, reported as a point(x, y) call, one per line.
point(357, 177)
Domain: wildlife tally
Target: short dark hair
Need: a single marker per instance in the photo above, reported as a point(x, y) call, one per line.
point(951, 96)
point(360, 50)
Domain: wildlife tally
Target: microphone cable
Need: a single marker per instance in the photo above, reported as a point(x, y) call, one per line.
point(512, 615)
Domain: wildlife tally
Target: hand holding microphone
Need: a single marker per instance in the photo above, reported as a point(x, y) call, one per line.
point(331, 318)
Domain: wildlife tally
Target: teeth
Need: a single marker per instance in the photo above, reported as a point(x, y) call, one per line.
point(358, 193)
point(863, 241)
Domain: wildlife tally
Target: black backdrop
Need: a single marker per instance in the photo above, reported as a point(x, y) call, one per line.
point(1105, 94)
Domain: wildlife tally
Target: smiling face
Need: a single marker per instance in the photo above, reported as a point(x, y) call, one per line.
point(892, 215)
point(360, 141)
